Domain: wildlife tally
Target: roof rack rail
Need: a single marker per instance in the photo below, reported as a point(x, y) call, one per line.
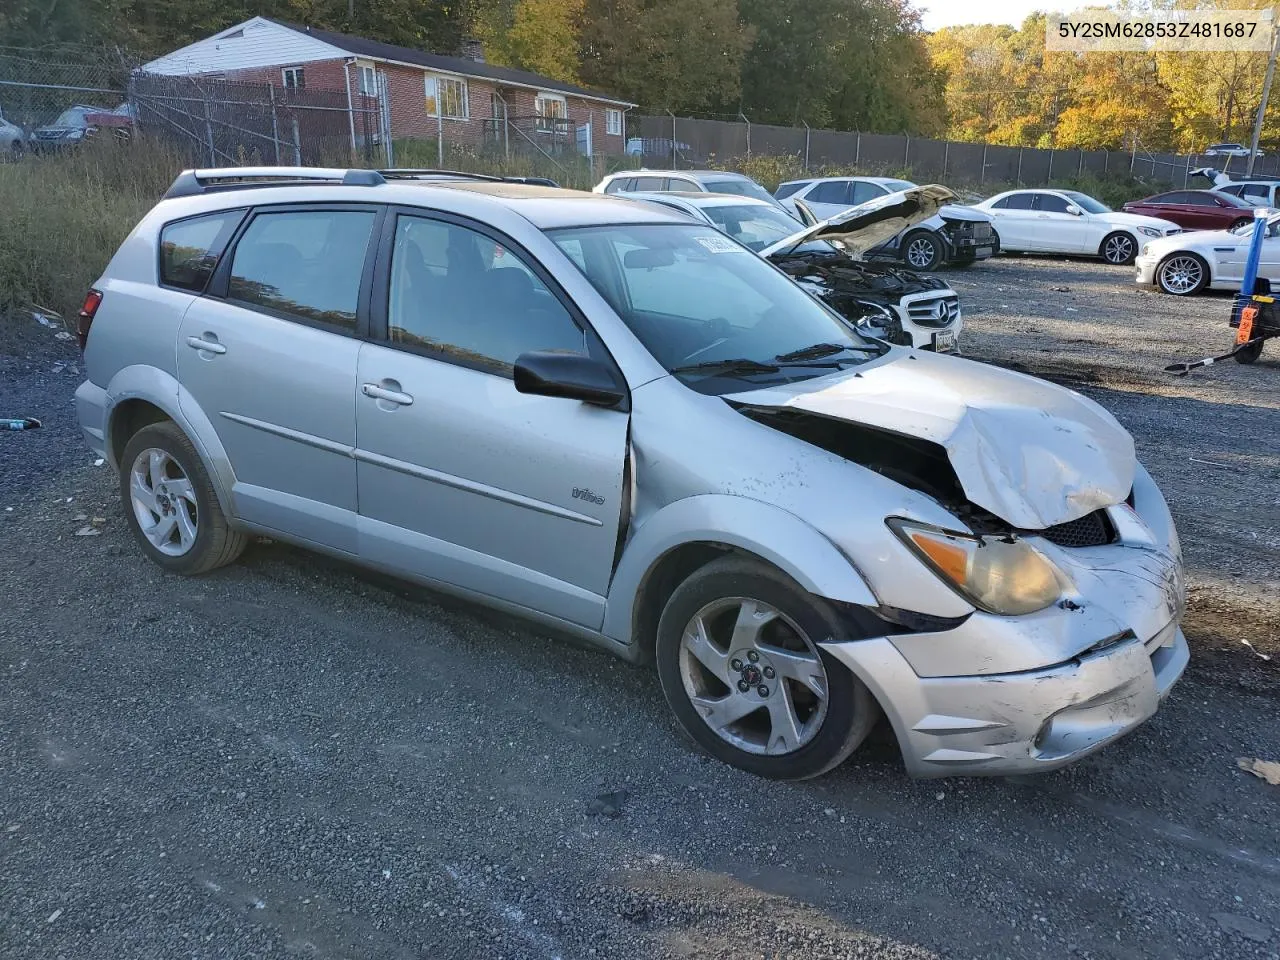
point(408, 173)
point(191, 183)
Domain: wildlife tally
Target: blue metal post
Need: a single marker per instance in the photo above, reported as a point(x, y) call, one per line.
point(1255, 254)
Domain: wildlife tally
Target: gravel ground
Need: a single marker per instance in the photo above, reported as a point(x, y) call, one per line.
point(291, 758)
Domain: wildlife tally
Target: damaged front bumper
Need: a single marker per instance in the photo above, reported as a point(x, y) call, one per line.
point(1018, 722)
point(1145, 270)
point(1004, 695)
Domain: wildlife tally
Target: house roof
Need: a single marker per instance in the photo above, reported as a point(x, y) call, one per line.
point(376, 50)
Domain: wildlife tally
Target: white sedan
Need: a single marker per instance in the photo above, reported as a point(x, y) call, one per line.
point(1066, 221)
point(1189, 263)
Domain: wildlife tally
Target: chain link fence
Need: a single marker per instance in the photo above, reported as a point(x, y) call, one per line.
point(684, 142)
point(61, 97)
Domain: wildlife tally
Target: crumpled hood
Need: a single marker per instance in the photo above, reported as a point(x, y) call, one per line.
point(1034, 454)
point(870, 224)
point(953, 212)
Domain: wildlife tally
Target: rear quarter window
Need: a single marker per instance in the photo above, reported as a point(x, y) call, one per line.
point(787, 189)
point(189, 249)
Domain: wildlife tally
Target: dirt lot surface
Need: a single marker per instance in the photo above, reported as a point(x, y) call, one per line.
point(288, 758)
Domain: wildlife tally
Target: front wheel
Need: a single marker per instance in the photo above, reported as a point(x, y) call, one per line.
point(1182, 274)
point(1119, 249)
point(922, 251)
point(739, 663)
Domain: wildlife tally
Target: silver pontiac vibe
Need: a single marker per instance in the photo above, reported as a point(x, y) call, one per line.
point(624, 425)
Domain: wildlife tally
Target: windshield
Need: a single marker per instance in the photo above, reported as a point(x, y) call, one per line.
point(752, 225)
point(1232, 200)
point(1273, 228)
point(1086, 202)
point(694, 297)
point(739, 188)
point(72, 117)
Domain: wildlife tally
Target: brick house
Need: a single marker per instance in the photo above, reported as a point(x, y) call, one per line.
point(465, 99)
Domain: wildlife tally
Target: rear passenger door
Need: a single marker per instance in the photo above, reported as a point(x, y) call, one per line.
point(269, 356)
point(462, 479)
point(1015, 221)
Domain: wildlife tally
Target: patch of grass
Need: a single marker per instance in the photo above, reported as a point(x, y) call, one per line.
point(64, 216)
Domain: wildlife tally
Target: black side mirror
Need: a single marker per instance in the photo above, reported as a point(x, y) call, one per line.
point(550, 373)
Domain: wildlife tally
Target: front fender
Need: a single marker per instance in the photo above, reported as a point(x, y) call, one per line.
point(769, 532)
point(155, 386)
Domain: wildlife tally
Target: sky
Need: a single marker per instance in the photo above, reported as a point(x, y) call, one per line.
point(949, 13)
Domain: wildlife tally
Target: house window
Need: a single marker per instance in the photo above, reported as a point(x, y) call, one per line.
point(368, 80)
point(550, 107)
point(613, 123)
point(294, 79)
point(451, 94)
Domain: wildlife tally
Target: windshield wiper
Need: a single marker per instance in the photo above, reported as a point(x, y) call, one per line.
point(740, 365)
point(818, 350)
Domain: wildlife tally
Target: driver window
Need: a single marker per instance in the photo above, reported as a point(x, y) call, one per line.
point(1051, 203)
point(461, 295)
point(862, 192)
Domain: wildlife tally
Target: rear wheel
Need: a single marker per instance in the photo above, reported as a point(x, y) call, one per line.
point(170, 504)
point(1242, 222)
point(1182, 274)
point(1118, 248)
point(1250, 353)
point(739, 662)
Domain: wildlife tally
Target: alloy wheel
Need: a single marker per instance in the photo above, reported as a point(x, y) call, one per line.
point(164, 502)
point(1181, 274)
point(753, 676)
point(1119, 249)
point(920, 253)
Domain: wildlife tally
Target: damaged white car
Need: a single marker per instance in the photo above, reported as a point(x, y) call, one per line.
point(825, 258)
point(623, 425)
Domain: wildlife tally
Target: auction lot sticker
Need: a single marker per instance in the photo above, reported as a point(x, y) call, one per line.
point(1108, 31)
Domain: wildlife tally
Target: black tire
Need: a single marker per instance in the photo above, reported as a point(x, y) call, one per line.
point(851, 710)
point(1171, 265)
point(1119, 249)
point(1250, 353)
point(922, 250)
point(995, 250)
point(216, 544)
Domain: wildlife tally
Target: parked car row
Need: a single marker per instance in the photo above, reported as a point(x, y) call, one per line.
point(72, 127)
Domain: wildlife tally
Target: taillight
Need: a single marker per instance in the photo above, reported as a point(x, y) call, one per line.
point(92, 300)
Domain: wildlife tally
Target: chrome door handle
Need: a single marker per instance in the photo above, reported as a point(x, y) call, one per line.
point(376, 392)
point(209, 346)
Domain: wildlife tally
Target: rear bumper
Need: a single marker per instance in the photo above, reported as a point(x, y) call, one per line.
point(1016, 723)
point(91, 412)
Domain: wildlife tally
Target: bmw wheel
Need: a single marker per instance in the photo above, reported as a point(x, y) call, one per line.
point(741, 667)
point(1182, 274)
point(1119, 248)
point(922, 251)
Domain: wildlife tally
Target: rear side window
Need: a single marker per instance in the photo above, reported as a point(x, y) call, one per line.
point(832, 191)
point(1020, 201)
point(643, 184)
point(863, 191)
point(189, 249)
point(306, 264)
point(618, 185)
point(787, 189)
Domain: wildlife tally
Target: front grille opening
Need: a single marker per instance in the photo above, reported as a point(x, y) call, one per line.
point(1092, 530)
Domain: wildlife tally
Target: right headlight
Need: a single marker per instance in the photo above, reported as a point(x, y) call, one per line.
point(1002, 575)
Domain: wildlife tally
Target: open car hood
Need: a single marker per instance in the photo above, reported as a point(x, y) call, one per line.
point(869, 224)
point(953, 212)
point(1034, 454)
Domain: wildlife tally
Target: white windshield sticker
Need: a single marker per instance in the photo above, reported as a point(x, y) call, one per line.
point(721, 245)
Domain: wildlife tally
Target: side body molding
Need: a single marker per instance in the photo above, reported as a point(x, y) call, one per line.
point(769, 532)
